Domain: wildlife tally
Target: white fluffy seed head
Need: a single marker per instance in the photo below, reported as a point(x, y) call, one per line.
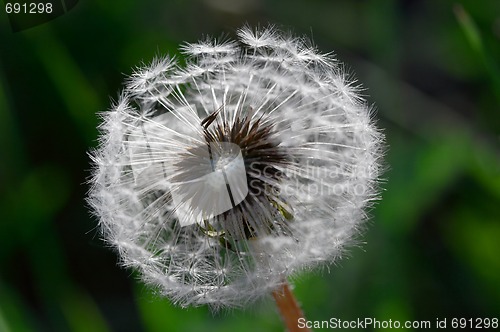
point(219, 179)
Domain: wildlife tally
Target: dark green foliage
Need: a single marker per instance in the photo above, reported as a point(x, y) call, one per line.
point(432, 248)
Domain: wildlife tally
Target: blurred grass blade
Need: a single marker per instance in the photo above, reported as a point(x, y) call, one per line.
point(30, 205)
point(14, 315)
point(475, 40)
point(159, 315)
point(3, 323)
point(431, 169)
point(74, 89)
point(81, 312)
point(11, 140)
point(469, 27)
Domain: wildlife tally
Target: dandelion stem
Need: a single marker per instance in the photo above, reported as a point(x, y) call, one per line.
point(288, 307)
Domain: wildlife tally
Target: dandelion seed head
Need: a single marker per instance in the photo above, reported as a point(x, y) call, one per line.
point(254, 161)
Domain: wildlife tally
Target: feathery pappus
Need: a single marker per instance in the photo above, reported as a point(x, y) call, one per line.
point(219, 178)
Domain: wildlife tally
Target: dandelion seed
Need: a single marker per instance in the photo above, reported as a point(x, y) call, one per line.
point(219, 179)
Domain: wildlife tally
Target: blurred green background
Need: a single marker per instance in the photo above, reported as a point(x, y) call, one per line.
point(432, 248)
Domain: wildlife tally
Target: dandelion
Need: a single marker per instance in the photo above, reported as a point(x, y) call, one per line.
point(219, 178)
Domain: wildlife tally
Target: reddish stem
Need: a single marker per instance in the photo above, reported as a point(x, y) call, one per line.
point(289, 308)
